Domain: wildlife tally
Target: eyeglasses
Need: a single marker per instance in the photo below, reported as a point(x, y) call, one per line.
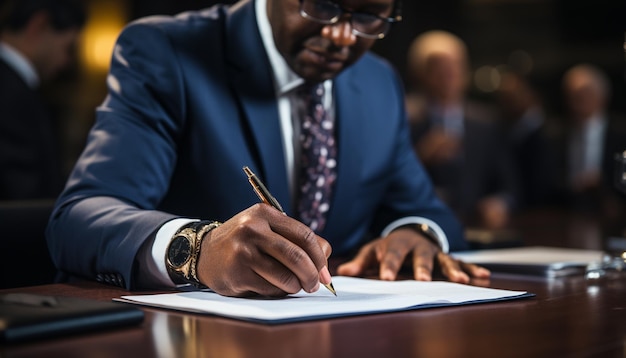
point(365, 25)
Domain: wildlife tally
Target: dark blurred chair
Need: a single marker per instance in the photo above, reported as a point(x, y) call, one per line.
point(24, 256)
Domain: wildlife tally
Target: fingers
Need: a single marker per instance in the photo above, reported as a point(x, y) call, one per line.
point(475, 271)
point(391, 256)
point(279, 280)
point(315, 247)
point(452, 269)
point(296, 270)
point(459, 271)
point(390, 253)
point(246, 271)
point(265, 281)
point(325, 245)
point(361, 262)
point(296, 247)
point(423, 260)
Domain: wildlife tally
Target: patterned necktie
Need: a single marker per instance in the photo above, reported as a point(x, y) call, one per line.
point(318, 158)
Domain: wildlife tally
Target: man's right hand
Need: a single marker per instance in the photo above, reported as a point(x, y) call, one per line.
point(261, 251)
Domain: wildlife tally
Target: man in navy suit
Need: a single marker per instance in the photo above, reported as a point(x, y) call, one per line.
point(194, 98)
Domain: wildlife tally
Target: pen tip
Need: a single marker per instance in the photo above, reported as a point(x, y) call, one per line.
point(331, 288)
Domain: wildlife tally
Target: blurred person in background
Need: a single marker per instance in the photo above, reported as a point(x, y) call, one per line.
point(456, 138)
point(37, 39)
point(525, 128)
point(591, 138)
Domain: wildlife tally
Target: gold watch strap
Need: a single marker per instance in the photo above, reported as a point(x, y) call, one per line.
point(201, 231)
point(426, 231)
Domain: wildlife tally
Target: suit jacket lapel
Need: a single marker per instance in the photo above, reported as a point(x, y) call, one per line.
point(252, 84)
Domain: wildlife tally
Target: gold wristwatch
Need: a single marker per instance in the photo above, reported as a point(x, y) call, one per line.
point(425, 230)
point(182, 252)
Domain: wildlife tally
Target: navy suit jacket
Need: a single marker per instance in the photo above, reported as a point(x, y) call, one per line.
point(191, 101)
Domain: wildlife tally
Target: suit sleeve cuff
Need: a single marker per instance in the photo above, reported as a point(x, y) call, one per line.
point(441, 236)
point(155, 256)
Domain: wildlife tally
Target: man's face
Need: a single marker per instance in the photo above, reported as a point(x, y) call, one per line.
point(55, 51)
point(445, 77)
point(318, 52)
point(583, 101)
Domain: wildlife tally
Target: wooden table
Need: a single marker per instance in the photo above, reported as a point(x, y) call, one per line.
point(569, 317)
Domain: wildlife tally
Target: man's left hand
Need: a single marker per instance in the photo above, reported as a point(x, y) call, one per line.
point(390, 253)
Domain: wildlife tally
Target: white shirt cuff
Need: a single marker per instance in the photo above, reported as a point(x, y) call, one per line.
point(155, 261)
point(441, 236)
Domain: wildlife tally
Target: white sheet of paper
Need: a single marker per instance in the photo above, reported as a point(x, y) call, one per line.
point(533, 255)
point(354, 296)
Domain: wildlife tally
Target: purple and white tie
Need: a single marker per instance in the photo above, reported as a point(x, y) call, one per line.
point(318, 158)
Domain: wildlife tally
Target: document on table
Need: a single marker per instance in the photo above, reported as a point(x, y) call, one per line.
point(355, 296)
point(534, 260)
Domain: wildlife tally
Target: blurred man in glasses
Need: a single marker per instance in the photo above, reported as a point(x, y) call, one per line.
point(288, 88)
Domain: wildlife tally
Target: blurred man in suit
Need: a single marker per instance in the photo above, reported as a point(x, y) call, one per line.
point(592, 138)
point(533, 153)
point(456, 138)
point(37, 38)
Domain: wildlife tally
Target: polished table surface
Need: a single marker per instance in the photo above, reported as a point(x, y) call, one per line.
point(568, 317)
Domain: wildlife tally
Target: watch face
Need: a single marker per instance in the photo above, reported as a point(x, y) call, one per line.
point(179, 251)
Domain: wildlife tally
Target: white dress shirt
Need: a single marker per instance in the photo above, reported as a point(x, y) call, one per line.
point(449, 119)
point(585, 148)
